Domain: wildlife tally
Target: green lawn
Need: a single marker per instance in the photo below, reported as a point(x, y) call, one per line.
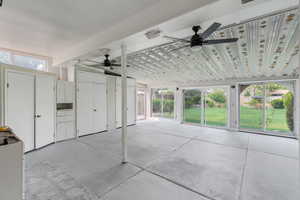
point(214, 116)
point(250, 118)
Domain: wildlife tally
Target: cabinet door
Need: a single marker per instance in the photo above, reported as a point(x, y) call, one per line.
point(60, 92)
point(69, 92)
point(85, 108)
point(100, 106)
point(20, 107)
point(45, 110)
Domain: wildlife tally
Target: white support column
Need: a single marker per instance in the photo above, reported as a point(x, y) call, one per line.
point(124, 103)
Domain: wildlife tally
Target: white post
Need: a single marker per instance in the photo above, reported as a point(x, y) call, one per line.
point(124, 103)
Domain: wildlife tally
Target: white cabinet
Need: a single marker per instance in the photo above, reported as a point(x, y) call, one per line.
point(65, 126)
point(91, 103)
point(29, 101)
point(65, 92)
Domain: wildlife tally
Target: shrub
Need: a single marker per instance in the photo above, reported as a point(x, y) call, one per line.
point(218, 96)
point(288, 100)
point(277, 104)
point(168, 105)
point(255, 102)
point(156, 105)
point(210, 103)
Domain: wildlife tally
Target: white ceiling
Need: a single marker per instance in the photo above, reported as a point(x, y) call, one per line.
point(155, 65)
point(268, 47)
point(62, 29)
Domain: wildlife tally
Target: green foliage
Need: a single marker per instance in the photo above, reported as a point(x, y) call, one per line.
point(277, 104)
point(218, 96)
point(247, 93)
point(255, 102)
point(168, 105)
point(288, 100)
point(156, 105)
point(210, 103)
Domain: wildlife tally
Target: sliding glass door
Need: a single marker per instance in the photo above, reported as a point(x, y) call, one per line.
point(206, 106)
point(192, 106)
point(141, 104)
point(163, 103)
point(268, 108)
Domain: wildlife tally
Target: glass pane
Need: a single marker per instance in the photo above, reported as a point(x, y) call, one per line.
point(156, 103)
point(279, 108)
point(141, 105)
point(29, 62)
point(216, 107)
point(168, 103)
point(5, 57)
point(192, 106)
point(251, 106)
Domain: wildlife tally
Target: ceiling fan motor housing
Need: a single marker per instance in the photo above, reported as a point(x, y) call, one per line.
point(196, 41)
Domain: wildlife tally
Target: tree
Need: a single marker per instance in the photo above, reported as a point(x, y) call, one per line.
point(288, 100)
point(218, 96)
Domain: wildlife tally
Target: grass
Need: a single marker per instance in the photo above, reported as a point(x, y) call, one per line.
point(214, 116)
point(250, 118)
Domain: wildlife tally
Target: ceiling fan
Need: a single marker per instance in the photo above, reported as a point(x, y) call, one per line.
point(200, 39)
point(106, 63)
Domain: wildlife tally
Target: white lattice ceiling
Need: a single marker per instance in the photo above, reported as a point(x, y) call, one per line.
point(267, 47)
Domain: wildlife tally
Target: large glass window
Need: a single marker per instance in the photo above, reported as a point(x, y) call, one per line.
point(163, 103)
point(27, 61)
point(192, 106)
point(268, 107)
point(206, 106)
point(215, 107)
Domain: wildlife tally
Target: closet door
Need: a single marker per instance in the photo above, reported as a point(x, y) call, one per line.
point(20, 106)
point(99, 107)
point(85, 108)
point(45, 110)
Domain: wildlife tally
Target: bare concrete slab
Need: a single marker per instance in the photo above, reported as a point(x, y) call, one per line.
point(147, 186)
point(274, 145)
point(213, 170)
point(167, 160)
point(270, 177)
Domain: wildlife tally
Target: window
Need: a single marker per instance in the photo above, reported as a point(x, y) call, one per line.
point(268, 107)
point(23, 60)
point(206, 106)
point(163, 103)
point(5, 57)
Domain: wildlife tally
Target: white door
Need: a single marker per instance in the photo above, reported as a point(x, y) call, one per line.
point(20, 107)
point(85, 108)
point(131, 106)
point(45, 110)
point(99, 107)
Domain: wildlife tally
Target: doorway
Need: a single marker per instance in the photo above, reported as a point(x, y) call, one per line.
point(163, 103)
point(141, 104)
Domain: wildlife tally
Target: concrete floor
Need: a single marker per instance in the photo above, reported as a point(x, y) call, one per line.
point(167, 161)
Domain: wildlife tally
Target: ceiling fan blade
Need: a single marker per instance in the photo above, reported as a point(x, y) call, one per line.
point(215, 26)
point(180, 48)
point(178, 39)
point(220, 41)
point(118, 65)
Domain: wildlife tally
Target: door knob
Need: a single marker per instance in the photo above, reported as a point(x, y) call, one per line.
point(95, 110)
point(38, 116)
